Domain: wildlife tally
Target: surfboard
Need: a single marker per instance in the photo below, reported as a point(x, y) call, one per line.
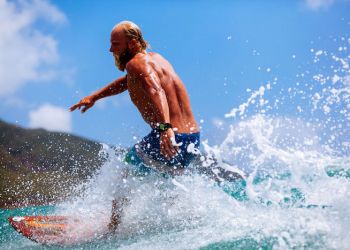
point(48, 230)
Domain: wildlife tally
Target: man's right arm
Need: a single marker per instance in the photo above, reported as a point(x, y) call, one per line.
point(114, 88)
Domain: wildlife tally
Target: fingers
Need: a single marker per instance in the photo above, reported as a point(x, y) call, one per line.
point(167, 148)
point(84, 109)
point(166, 151)
point(74, 107)
point(86, 103)
point(87, 106)
point(79, 105)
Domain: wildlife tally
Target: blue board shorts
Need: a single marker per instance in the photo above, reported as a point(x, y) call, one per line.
point(146, 156)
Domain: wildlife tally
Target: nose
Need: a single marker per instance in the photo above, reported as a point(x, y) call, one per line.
point(111, 49)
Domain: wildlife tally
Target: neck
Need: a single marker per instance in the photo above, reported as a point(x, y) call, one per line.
point(137, 49)
point(134, 53)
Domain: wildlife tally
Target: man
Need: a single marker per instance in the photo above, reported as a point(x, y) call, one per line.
point(161, 97)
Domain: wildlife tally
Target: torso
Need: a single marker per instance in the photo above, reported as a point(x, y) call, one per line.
point(180, 112)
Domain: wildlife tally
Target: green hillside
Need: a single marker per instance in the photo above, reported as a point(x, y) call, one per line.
point(39, 167)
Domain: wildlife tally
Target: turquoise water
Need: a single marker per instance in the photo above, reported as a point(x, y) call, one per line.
point(10, 239)
point(200, 230)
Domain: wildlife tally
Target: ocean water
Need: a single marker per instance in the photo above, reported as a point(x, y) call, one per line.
point(293, 194)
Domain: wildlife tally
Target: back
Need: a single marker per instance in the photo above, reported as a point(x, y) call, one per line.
point(159, 69)
point(181, 114)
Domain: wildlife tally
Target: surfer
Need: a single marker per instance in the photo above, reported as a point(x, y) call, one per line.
point(161, 98)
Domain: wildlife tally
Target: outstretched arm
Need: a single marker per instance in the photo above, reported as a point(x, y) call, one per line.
point(114, 88)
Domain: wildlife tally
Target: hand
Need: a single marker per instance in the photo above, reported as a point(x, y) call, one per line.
point(167, 147)
point(87, 102)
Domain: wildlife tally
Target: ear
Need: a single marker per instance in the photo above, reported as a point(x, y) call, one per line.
point(132, 44)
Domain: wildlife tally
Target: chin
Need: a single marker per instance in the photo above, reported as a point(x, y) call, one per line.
point(121, 68)
point(119, 65)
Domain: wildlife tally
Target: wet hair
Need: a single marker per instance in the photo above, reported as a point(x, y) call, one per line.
point(132, 31)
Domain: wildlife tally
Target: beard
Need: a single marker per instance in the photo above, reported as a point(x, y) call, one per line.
point(122, 59)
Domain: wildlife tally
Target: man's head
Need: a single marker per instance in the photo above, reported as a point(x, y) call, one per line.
point(126, 41)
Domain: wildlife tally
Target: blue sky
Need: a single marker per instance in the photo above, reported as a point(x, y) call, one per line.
point(53, 53)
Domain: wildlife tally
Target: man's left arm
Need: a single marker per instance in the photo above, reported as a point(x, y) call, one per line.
point(152, 88)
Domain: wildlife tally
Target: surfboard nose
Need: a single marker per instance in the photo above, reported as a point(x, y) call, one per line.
point(16, 221)
point(48, 230)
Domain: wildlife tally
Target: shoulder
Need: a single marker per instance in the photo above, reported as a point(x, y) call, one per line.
point(156, 55)
point(136, 63)
point(139, 64)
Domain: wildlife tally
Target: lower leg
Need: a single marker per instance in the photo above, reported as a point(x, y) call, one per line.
point(117, 208)
point(115, 217)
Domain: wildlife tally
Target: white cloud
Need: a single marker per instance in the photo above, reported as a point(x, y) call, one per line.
point(24, 49)
point(318, 4)
point(321, 4)
point(52, 118)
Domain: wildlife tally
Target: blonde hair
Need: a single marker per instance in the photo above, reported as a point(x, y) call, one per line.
point(132, 31)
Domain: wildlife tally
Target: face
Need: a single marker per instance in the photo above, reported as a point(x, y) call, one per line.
point(120, 49)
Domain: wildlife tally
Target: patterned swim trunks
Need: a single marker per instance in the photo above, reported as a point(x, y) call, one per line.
point(146, 156)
